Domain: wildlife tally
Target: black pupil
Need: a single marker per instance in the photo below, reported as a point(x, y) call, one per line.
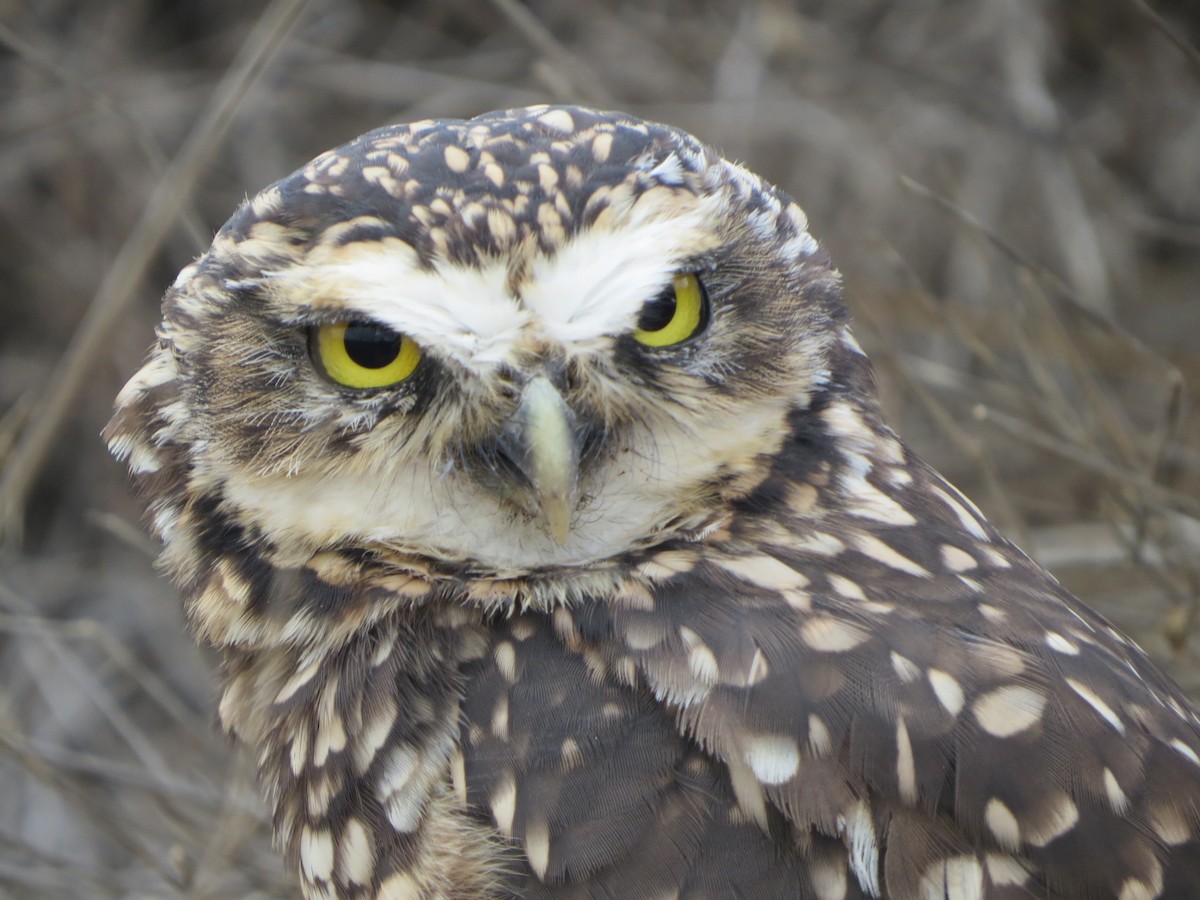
point(371, 346)
point(658, 313)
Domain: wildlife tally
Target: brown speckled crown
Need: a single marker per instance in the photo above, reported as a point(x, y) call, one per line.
point(818, 671)
point(466, 190)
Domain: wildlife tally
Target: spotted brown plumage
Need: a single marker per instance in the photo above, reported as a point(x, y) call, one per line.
point(569, 613)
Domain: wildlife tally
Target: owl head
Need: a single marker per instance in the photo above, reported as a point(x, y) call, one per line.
point(536, 339)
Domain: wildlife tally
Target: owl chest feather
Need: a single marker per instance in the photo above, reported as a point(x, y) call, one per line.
point(774, 705)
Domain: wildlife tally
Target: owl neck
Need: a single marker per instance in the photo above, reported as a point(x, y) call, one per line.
point(838, 453)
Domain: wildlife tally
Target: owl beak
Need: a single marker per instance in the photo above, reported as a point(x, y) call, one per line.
point(542, 434)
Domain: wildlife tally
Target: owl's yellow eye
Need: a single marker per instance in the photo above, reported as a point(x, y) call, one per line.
point(679, 313)
point(364, 355)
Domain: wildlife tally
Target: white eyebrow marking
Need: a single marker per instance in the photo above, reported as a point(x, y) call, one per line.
point(596, 285)
point(465, 312)
point(587, 291)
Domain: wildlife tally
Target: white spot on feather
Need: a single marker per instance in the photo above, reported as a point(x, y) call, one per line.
point(500, 718)
point(866, 501)
point(906, 771)
point(959, 877)
point(947, 690)
point(858, 832)
point(570, 754)
point(1009, 710)
point(828, 876)
point(748, 792)
point(558, 119)
point(968, 521)
point(316, 853)
point(458, 777)
point(844, 586)
point(772, 758)
point(956, 559)
point(1060, 818)
point(819, 741)
point(506, 660)
point(1136, 889)
point(764, 571)
point(1060, 644)
point(1170, 824)
point(504, 805)
point(401, 886)
point(1185, 751)
point(321, 788)
point(299, 751)
point(1004, 870)
point(380, 716)
point(669, 171)
point(1116, 796)
point(871, 546)
point(601, 147)
point(158, 370)
point(758, 671)
point(1093, 700)
point(820, 543)
point(457, 159)
point(302, 677)
point(356, 853)
point(142, 459)
point(398, 788)
point(331, 738)
point(848, 339)
point(537, 847)
point(1003, 824)
point(906, 670)
point(829, 635)
point(701, 661)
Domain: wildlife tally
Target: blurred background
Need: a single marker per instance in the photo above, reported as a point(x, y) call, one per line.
point(1010, 187)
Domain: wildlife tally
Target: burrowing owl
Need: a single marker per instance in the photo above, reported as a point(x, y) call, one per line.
point(529, 477)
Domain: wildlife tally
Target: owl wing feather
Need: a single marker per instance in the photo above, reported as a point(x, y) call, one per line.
point(596, 784)
point(842, 707)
